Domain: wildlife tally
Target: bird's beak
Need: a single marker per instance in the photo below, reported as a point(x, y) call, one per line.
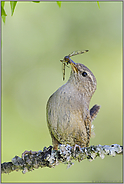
point(74, 67)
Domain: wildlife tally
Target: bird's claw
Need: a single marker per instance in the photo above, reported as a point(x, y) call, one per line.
point(28, 152)
point(77, 146)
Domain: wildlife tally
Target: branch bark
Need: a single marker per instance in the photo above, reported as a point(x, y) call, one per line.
point(65, 154)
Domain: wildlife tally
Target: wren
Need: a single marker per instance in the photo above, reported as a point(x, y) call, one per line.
point(68, 115)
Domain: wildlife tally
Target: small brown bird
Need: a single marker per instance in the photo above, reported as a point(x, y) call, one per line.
point(68, 115)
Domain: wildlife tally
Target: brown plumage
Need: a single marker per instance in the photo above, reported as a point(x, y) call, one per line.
point(68, 115)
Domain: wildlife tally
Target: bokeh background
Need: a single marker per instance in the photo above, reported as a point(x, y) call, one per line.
point(34, 40)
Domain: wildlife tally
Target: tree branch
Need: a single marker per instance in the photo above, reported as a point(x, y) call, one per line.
point(65, 154)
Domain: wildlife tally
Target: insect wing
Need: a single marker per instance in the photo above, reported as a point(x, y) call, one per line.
point(77, 52)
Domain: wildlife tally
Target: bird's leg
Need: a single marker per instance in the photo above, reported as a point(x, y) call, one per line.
point(55, 142)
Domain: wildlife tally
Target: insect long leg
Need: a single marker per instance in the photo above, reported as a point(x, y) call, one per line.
point(63, 71)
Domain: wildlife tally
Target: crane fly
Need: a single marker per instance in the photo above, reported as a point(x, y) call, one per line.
point(67, 60)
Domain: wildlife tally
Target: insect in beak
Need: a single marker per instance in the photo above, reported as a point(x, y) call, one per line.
point(67, 61)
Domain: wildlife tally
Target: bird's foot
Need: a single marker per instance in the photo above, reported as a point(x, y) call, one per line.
point(76, 146)
point(28, 152)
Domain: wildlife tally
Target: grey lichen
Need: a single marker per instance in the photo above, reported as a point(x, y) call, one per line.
point(65, 154)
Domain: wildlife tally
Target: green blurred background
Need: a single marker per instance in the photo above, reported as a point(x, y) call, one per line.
point(34, 39)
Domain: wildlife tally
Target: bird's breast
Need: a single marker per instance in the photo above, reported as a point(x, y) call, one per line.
point(66, 112)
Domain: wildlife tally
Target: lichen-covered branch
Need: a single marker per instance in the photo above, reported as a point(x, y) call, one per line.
point(65, 154)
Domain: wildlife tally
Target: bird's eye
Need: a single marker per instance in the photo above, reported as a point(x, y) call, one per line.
point(84, 74)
